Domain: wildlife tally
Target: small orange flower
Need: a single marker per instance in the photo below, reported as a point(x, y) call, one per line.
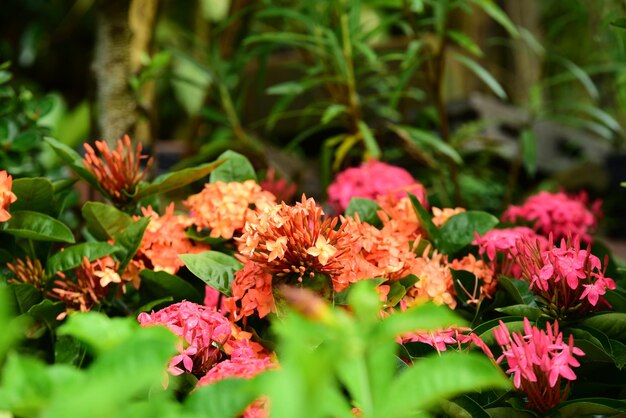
point(119, 171)
point(6, 195)
point(322, 250)
point(441, 216)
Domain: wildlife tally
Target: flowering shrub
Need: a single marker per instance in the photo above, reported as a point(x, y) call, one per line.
point(277, 308)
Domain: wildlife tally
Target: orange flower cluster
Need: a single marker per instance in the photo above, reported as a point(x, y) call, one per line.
point(118, 171)
point(6, 195)
point(441, 216)
point(224, 208)
point(28, 271)
point(164, 240)
point(287, 243)
point(435, 281)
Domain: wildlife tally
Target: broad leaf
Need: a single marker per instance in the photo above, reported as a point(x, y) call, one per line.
point(104, 221)
point(74, 161)
point(174, 180)
point(73, 256)
point(98, 331)
point(235, 167)
point(613, 324)
point(25, 296)
point(591, 406)
point(424, 317)
point(432, 233)
point(214, 268)
point(530, 312)
point(460, 230)
point(367, 210)
point(37, 226)
point(35, 194)
point(225, 398)
point(518, 289)
point(130, 240)
point(160, 284)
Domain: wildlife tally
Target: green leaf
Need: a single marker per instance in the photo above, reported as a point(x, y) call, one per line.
point(509, 412)
point(461, 228)
point(288, 87)
point(423, 317)
point(485, 330)
point(518, 289)
point(465, 42)
point(97, 330)
point(177, 179)
point(497, 14)
point(225, 398)
point(37, 226)
point(423, 139)
point(466, 285)
point(619, 23)
point(441, 377)
point(463, 407)
point(104, 221)
point(74, 161)
point(531, 312)
point(26, 141)
point(367, 210)
point(483, 74)
point(35, 194)
point(613, 324)
point(591, 406)
point(214, 268)
point(371, 146)
point(235, 167)
point(47, 312)
point(161, 284)
point(529, 151)
point(333, 111)
point(130, 240)
point(12, 328)
point(582, 76)
point(432, 232)
point(73, 256)
point(25, 295)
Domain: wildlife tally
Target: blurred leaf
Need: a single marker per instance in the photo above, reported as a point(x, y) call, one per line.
point(483, 74)
point(11, 326)
point(235, 167)
point(465, 42)
point(529, 151)
point(367, 210)
point(73, 256)
point(104, 221)
point(214, 268)
point(332, 112)
point(190, 84)
point(497, 14)
point(47, 312)
point(425, 139)
point(225, 398)
point(424, 317)
point(288, 87)
point(582, 76)
point(97, 330)
point(34, 194)
point(26, 141)
point(176, 179)
point(37, 226)
point(371, 146)
point(619, 23)
point(591, 406)
point(441, 377)
point(461, 229)
point(161, 284)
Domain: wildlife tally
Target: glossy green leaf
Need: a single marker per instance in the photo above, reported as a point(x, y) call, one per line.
point(73, 160)
point(483, 74)
point(37, 226)
point(432, 232)
point(104, 221)
point(73, 256)
point(214, 268)
point(530, 312)
point(518, 289)
point(366, 209)
point(25, 296)
point(235, 167)
point(160, 284)
point(461, 229)
point(441, 377)
point(176, 179)
point(35, 194)
point(613, 324)
point(130, 240)
point(485, 330)
point(46, 312)
point(591, 406)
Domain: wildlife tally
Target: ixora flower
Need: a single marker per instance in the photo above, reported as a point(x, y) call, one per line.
point(441, 339)
point(441, 216)
point(557, 214)
point(224, 208)
point(567, 279)
point(540, 361)
point(287, 244)
point(165, 239)
point(118, 171)
point(28, 271)
point(6, 195)
point(372, 179)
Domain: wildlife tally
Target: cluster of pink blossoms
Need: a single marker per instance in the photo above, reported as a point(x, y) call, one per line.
point(372, 179)
point(566, 277)
point(540, 361)
point(557, 214)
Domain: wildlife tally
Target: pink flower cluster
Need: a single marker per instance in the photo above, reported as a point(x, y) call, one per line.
point(504, 242)
point(539, 362)
point(202, 330)
point(372, 179)
point(441, 338)
point(557, 214)
point(566, 277)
